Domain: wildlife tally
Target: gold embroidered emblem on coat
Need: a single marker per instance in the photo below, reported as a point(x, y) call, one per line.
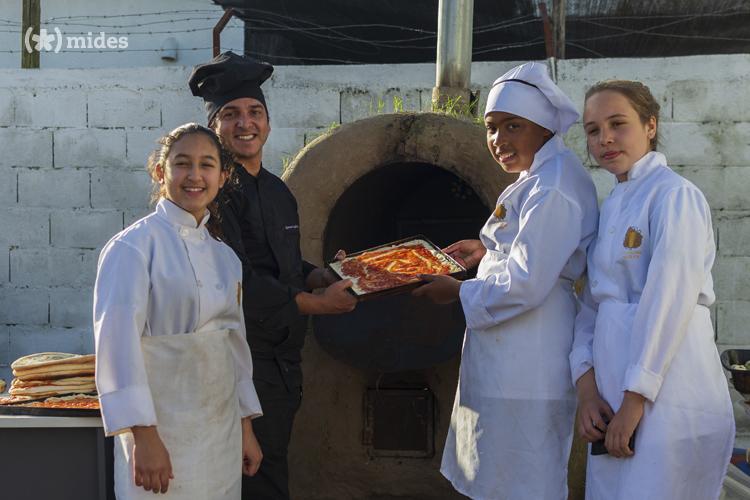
point(633, 238)
point(500, 211)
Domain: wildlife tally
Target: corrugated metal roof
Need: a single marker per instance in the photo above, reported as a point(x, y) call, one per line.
point(393, 31)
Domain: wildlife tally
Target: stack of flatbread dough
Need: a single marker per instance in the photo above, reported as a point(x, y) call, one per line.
point(51, 374)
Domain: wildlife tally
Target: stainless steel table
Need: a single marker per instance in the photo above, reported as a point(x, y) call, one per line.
point(54, 458)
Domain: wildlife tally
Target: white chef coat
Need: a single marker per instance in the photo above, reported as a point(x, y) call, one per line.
point(160, 276)
point(646, 328)
point(512, 422)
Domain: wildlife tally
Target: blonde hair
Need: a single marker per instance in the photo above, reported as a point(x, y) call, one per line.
point(639, 96)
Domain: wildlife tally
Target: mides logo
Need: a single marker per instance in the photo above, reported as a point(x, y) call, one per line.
point(47, 41)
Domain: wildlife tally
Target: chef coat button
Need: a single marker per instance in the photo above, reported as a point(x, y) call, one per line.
point(183, 232)
point(594, 283)
point(219, 286)
point(200, 284)
point(611, 230)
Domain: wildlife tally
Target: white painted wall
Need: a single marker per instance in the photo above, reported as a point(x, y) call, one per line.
point(145, 23)
point(74, 143)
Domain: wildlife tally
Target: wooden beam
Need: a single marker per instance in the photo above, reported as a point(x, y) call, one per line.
point(31, 18)
point(558, 20)
point(549, 44)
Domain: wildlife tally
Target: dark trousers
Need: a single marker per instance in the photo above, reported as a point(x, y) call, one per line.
point(273, 431)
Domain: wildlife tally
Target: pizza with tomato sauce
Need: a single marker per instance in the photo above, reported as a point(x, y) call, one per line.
point(74, 402)
point(393, 266)
point(71, 402)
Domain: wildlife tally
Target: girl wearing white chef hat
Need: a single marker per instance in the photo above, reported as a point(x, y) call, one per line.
point(644, 353)
point(512, 422)
point(173, 368)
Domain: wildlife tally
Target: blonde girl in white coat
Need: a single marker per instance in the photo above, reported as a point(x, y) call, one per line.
point(644, 359)
point(512, 422)
point(174, 371)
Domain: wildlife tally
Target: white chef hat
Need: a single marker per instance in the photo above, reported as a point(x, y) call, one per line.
point(528, 91)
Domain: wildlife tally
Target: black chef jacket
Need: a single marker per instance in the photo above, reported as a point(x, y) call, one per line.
point(261, 224)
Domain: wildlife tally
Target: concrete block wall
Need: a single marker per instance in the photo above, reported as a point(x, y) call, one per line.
point(75, 143)
point(71, 176)
point(146, 24)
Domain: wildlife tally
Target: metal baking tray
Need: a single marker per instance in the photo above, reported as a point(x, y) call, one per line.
point(334, 265)
point(48, 412)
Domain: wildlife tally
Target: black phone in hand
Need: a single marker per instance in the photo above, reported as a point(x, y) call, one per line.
point(598, 448)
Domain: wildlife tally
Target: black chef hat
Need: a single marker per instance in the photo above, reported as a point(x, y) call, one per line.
point(227, 77)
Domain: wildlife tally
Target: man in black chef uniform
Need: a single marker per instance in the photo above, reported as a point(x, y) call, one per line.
point(260, 222)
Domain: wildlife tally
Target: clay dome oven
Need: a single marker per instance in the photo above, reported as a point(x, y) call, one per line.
point(380, 381)
point(382, 179)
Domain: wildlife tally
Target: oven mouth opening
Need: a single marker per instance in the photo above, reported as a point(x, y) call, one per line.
point(392, 202)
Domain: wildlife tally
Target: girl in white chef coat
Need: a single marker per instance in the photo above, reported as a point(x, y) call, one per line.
point(512, 422)
point(644, 356)
point(173, 368)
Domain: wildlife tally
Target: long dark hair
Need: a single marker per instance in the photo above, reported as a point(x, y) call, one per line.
point(159, 157)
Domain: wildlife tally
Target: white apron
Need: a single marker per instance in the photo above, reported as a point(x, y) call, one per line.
point(191, 377)
point(512, 421)
point(691, 419)
point(650, 274)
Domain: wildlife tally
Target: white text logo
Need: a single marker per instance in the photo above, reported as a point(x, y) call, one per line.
point(53, 42)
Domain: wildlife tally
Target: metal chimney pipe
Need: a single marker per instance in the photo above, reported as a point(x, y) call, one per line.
point(454, 43)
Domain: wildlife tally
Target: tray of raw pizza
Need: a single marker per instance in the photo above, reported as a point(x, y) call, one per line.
point(394, 267)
